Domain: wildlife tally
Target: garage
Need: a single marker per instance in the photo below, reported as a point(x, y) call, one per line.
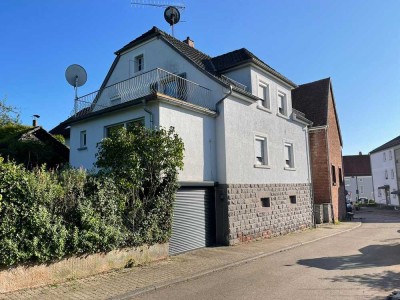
point(193, 223)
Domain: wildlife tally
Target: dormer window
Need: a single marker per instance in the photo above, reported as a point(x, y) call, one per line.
point(139, 63)
point(282, 103)
point(263, 94)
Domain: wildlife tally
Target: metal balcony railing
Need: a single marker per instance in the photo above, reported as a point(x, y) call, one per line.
point(154, 81)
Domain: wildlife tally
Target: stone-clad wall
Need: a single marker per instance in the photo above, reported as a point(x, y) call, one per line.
point(248, 220)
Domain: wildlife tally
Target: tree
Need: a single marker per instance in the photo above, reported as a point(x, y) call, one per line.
point(8, 114)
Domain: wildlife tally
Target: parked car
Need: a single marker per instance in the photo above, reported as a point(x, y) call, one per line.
point(363, 200)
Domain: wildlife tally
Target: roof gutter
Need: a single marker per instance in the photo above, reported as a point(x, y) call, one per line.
point(222, 99)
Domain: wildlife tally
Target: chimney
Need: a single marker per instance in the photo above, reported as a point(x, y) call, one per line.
point(189, 42)
point(360, 153)
point(35, 118)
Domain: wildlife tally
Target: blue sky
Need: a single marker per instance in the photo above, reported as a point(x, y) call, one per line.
point(355, 42)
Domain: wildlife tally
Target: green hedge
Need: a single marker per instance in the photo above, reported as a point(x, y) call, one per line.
point(46, 215)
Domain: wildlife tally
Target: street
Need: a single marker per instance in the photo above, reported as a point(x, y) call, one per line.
point(360, 264)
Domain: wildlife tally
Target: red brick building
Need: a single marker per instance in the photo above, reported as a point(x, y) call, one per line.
point(317, 101)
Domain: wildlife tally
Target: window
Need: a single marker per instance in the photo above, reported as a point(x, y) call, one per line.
point(139, 63)
point(390, 155)
point(386, 174)
point(394, 195)
point(129, 125)
point(263, 94)
point(292, 199)
point(379, 193)
point(361, 189)
point(260, 150)
point(347, 181)
point(265, 202)
point(360, 179)
point(289, 161)
point(82, 143)
point(340, 176)
point(392, 173)
point(384, 156)
point(282, 104)
point(333, 175)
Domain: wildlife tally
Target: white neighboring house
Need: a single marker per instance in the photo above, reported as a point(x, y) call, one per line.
point(358, 177)
point(385, 165)
point(246, 167)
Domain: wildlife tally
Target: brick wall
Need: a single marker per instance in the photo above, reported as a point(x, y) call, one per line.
point(249, 220)
point(335, 156)
point(320, 166)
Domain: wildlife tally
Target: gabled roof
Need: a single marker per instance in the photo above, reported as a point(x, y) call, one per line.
point(356, 165)
point(390, 144)
point(243, 56)
point(313, 100)
point(212, 65)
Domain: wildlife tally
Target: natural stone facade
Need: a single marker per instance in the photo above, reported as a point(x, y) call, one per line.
point(249, 219)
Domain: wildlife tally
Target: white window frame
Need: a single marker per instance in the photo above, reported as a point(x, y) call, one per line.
point(266, 98)
point(265, 151)
point(392, 174)
point(390, 155)
point(361, 189)
point(124, 124)
point(284, 103)
point(386, 174)
point(291, 165)
point(139, 67)
point(83, 139)
point(379, 193)
point(384, 156)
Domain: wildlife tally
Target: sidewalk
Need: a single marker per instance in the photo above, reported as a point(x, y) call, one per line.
point(124, 284)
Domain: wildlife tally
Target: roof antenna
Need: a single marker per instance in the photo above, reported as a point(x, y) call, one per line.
point(172, 12)
point(76, 76)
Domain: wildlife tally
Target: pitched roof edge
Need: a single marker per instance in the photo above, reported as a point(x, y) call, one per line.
point(387, 145)
point(335, 111)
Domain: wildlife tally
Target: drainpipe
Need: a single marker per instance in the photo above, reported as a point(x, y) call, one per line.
point(310, 175)
point(149, 112)
point(223, 98)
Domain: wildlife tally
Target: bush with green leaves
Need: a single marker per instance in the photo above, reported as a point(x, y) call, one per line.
point(47, 215)
point(145, 164)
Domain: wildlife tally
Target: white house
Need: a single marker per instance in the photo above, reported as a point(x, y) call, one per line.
point(385, 165)
point(247, 171)
point(358, 177)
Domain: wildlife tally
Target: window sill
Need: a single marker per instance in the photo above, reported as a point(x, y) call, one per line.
point(82, 148)
point(262, 166)
point(268, 110)
point(282, 116)
point(289, 169)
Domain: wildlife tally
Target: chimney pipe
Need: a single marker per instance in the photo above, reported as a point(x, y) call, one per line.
point(360, 153)
point(35, 118)
point(189, 42)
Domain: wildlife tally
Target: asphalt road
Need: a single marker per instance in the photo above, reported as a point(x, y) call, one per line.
point(360, 264)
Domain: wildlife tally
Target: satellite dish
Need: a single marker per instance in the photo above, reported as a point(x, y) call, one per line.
point(76, 75)
point(172, 15)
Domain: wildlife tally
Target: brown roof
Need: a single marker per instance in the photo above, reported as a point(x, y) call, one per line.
point(312, 99)
point(356, 165)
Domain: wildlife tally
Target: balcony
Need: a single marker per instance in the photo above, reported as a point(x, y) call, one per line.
point(155, 82)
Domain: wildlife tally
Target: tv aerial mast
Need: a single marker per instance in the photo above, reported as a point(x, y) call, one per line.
point(172, 12)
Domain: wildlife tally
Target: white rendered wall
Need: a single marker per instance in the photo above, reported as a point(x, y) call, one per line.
point(198, 134)
point(378, 167)
point(354, 182)
point(158, 54)
point(95, 132)
point(242, 122)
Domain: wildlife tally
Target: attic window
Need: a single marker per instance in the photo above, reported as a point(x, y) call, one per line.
point(139, 63)
point(282, 104)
